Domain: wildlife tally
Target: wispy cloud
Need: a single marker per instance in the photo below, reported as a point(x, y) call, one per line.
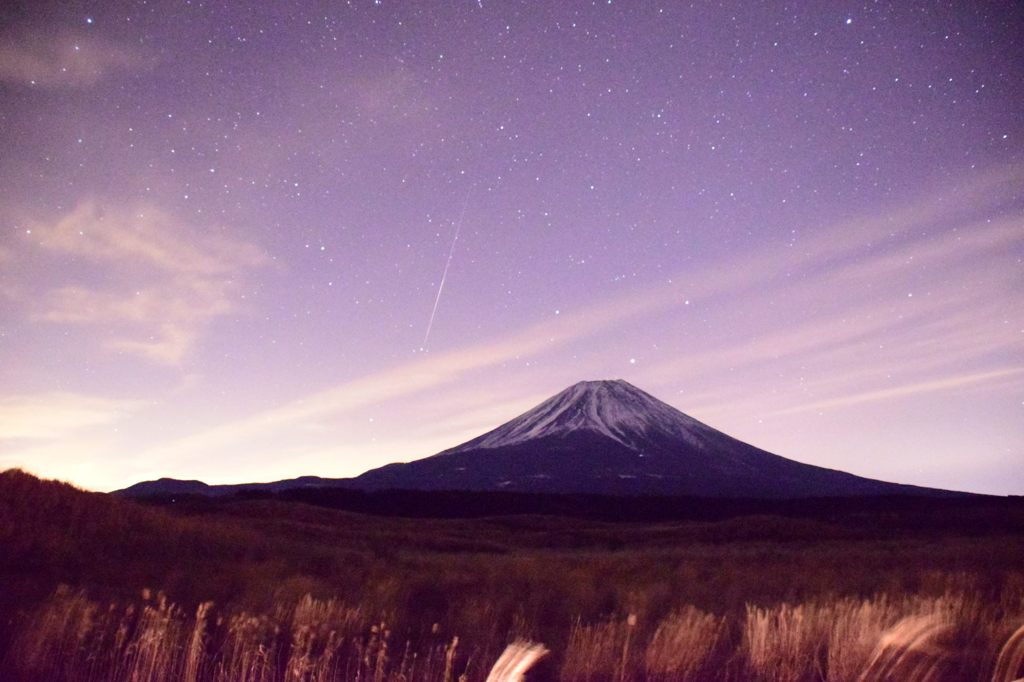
point(880, 304)
point(950, 383)
point(149, 282)
point(63, 60)
point(147, 236)
point(925, 294)
point(52, 416)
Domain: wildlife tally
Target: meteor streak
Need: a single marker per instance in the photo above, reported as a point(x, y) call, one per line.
point(444, 274)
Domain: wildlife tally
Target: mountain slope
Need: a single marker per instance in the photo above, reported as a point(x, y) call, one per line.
point(611, 437)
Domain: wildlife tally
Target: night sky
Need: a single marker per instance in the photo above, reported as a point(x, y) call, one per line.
point(225, 230)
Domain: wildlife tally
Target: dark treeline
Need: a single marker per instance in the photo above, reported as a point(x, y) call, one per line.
point(963, 513)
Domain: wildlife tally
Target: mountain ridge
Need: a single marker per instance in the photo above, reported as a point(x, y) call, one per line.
point(604, 437)
point(610, 437)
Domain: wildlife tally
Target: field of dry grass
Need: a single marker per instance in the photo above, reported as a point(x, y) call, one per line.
point(105, 589)
point(950, 637)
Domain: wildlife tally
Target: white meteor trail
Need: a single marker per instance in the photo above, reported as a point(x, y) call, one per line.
point(444, 274)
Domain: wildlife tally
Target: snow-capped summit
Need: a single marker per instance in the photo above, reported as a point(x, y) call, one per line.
point(612, 408)
point(611, 437)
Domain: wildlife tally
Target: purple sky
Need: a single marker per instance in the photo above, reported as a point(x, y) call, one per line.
point(224, 229)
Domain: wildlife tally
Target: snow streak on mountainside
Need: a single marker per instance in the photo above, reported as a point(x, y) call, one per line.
point(615, 409)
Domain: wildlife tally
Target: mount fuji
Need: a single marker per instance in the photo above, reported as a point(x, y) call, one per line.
point(595, 437)
point(610, 437)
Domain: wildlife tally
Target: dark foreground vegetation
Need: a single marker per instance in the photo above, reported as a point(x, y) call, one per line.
point(304, 587)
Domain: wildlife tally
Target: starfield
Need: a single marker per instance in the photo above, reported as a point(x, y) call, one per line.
point(511, 341)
